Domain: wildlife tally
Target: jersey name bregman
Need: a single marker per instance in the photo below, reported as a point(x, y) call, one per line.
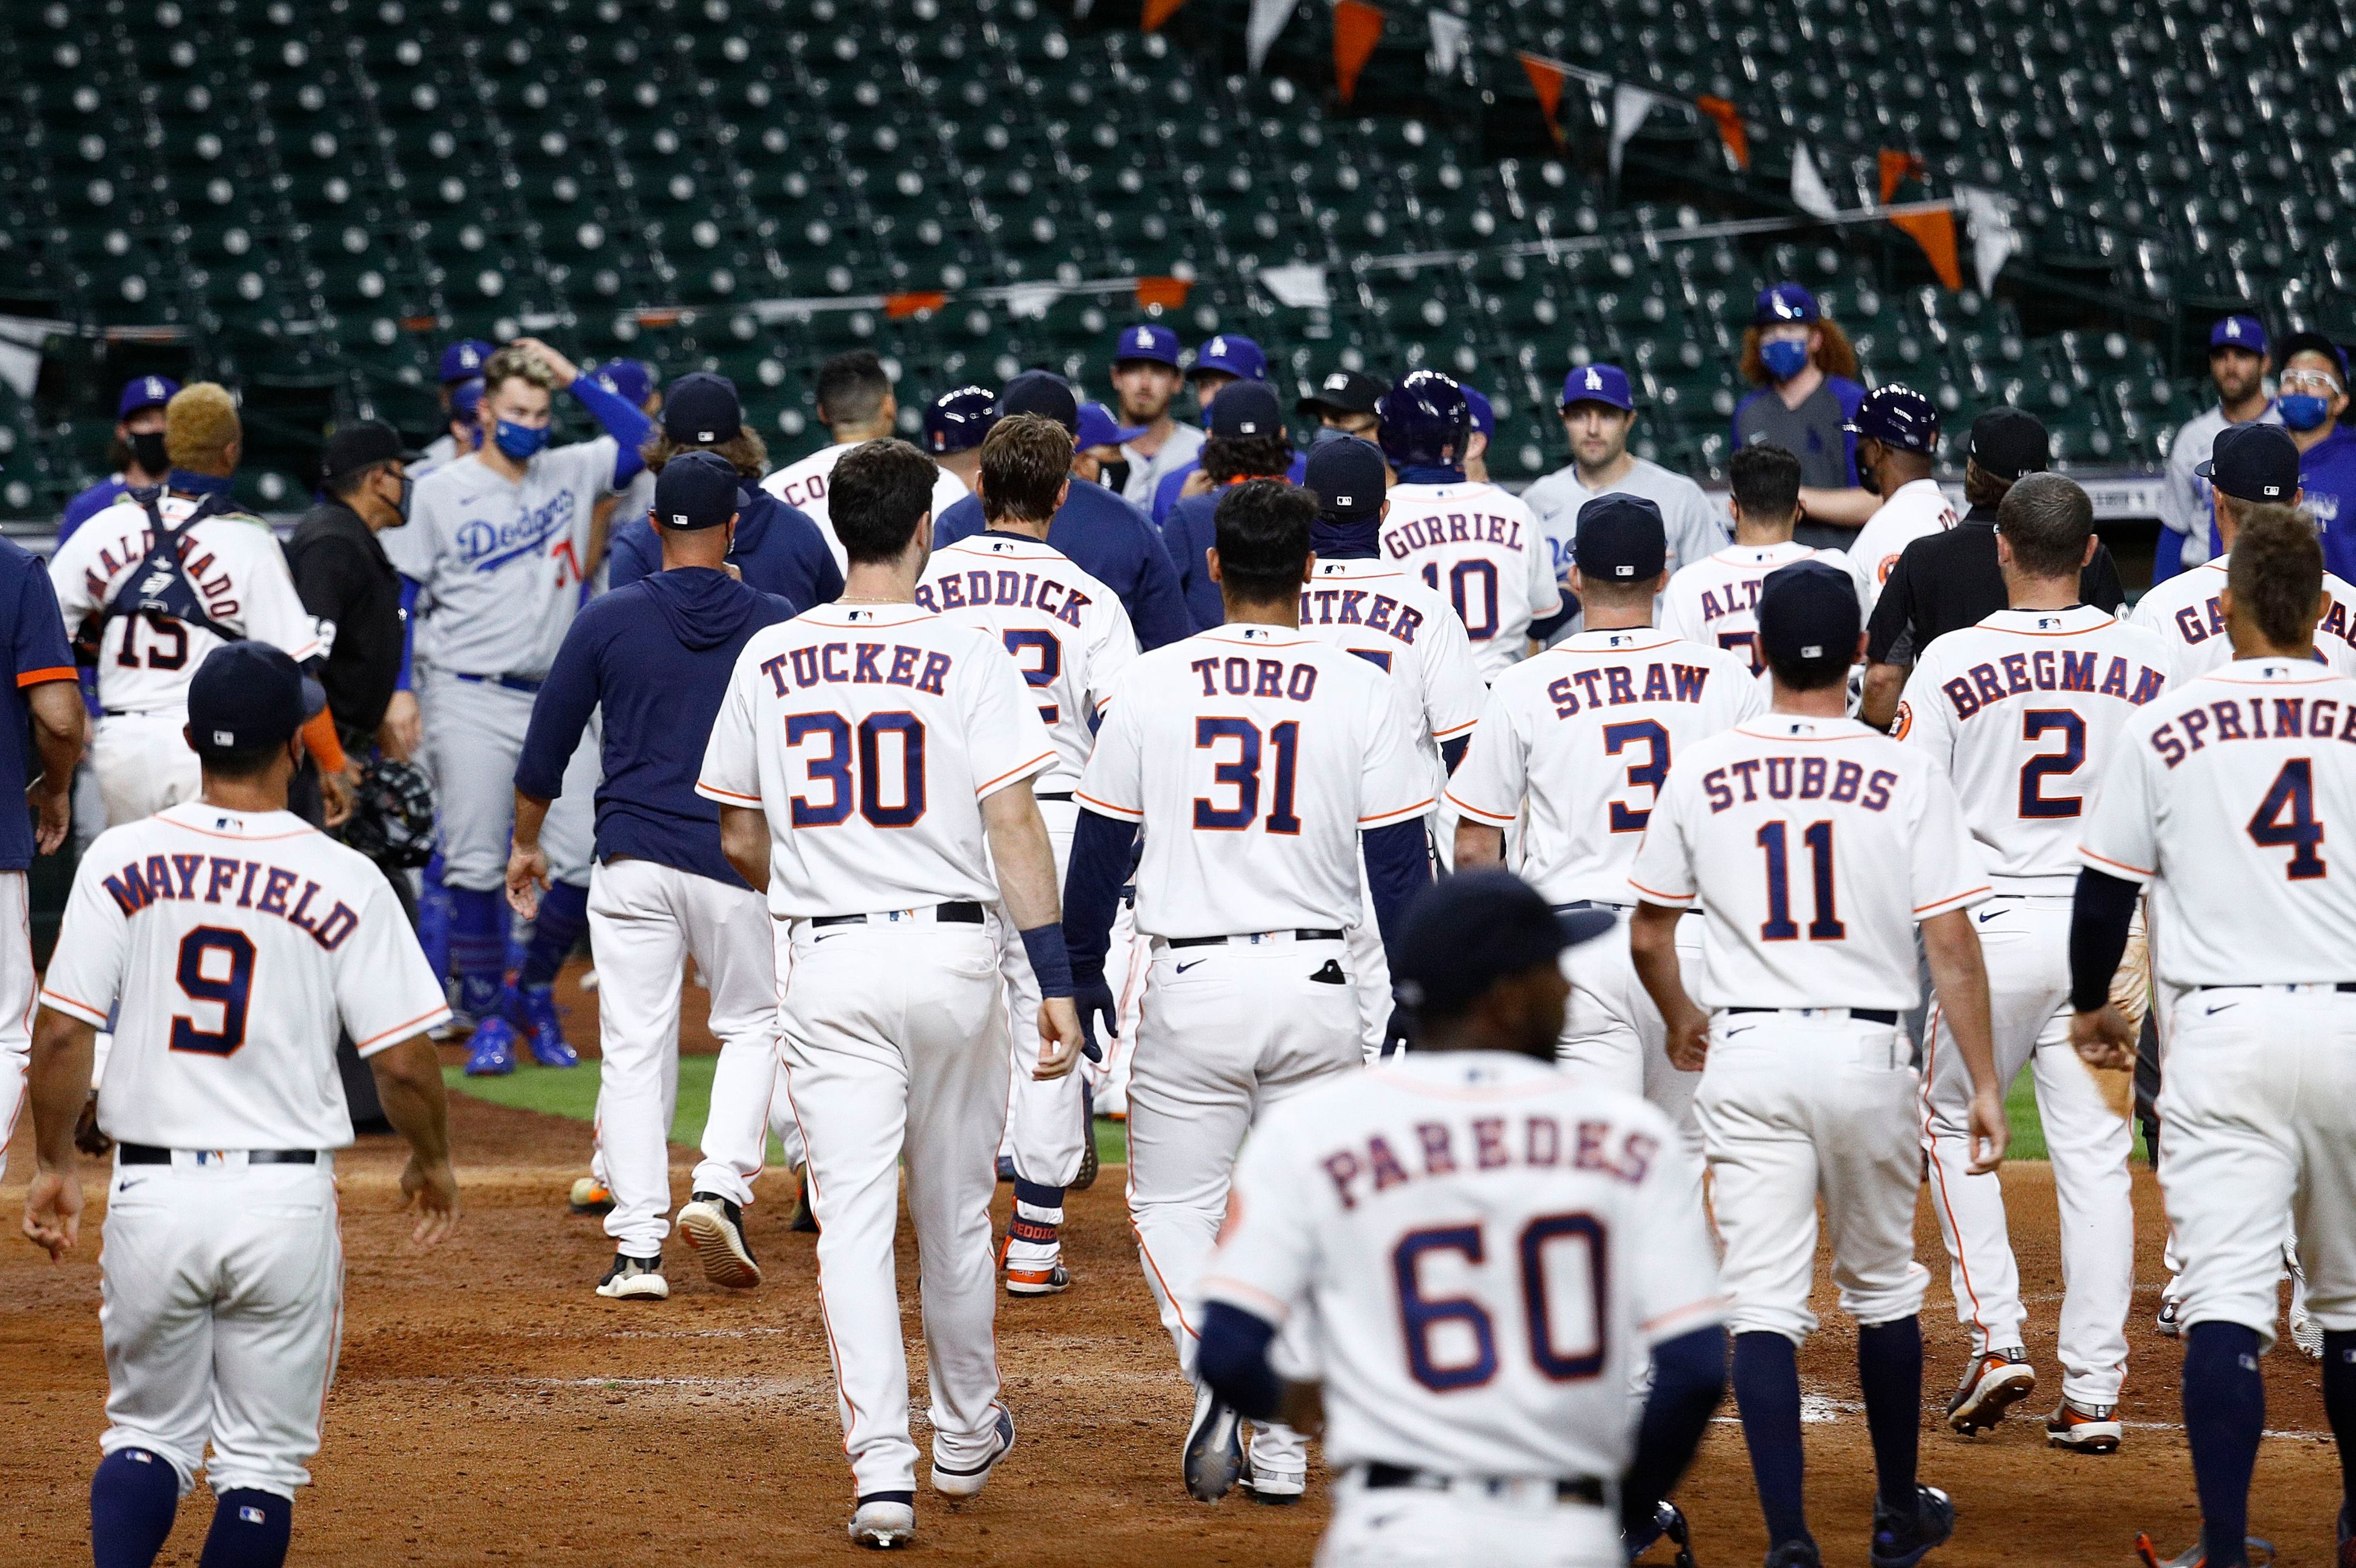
point(2049, 670)
point(1662, 683)
point(2293, 718)
point(234, 881)
point(1490, 1144)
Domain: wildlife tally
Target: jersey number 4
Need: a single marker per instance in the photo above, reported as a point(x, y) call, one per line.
point(216, 966)
point(1452, 1340)
point(2287, 816)
point(878, 737)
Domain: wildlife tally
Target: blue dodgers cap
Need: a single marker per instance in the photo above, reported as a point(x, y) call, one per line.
point(1485, 418)
point(1781, 304)
point(1100, 428)
point(702, 409)
point(1606, 385)
point(464, 360)
point(1809, 614)
point(145, 391)
point(1229, 355)
point(2239, 332)
point(958, 420)
point(247, 696)
point(630, 380)
point(1620, 539)
point(1348, 477)
point(2253, 462)
point(1042, 392)
point(1897, 415)
point(1245, 409)
point(1147, 340)
point(1466, 932)
point(465, 397)
point(695, 490)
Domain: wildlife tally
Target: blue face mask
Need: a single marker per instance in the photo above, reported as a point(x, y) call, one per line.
point(1784, 358)
point(2304, 410)
point(519, 442)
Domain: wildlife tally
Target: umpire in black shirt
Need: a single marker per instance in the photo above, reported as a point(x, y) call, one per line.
point(1951, 580)
point(346, 580)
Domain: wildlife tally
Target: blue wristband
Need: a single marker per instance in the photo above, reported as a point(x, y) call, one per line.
point(1050, 960)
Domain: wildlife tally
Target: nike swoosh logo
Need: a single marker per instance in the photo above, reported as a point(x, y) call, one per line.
point(126, 1187)
point(2216, 1008)
point(1184, 967)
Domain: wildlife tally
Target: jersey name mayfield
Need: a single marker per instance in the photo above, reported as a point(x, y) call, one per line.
point(1481, 547)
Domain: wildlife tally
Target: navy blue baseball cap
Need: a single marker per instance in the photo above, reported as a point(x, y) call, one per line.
point(2296, 343)
point(702, 409)
point(463, 360)
point(2239, 332)
point(1897, 415)
point(695, 490)
point(1229, 355)
point(1348, 477)
point(630, 380)
point(1343, 392)
point(2253, 462)
point(1781, 304)
point(1247, 408)
point(247, 696)
point(1100, 428)
point(1466, 932)
point(1147, 340)
point(958, 420)
point(1485, 418)
point(465, 397)
point(145, 391)
point(1044, 392)
point(1620, 539)
point(1606, 385)
point(1808, 613)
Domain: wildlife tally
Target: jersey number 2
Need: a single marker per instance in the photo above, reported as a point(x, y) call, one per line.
point(1452, 1341)
point(216, 966)
point(2287, 816)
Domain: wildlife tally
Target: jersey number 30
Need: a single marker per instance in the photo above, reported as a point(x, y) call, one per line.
point(1452, 1340)
point(831, 771)
point(216, 966)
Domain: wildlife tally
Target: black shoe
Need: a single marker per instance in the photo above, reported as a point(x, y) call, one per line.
point(805, 1218)
point(635, 1279)
point(714, 1226)
point(1801, 1553)
point(1087, 1177)
point(1900, 1541)
point(1667, 1522)
point(1213, 1455)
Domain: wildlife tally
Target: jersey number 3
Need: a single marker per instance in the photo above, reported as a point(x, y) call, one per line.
point(216, 966)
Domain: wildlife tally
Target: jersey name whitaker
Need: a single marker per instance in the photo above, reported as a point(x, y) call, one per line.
point(858, 664)
point(2198, 623)
point(2269, 718)
point(1359, 607)
point(219, 592)
point(485, 546)
point(2049, 670)
point(1531, 1142)
point(1023, 590)
point(1662, 683)
point(1798, 778)
point(1452, 528)
point(231, 881)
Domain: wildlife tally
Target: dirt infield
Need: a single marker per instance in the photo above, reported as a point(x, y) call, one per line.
point(490, 1407)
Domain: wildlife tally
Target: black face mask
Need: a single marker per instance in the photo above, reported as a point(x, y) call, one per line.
point(148, 451)
point(1114, 477)
point(408, 493)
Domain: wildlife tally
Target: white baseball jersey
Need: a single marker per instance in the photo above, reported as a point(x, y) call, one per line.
point(1693, 525)
point(2023, 711)
point(2185, 612)
point(1067, 631)
point(1481, 547)
point(234, 564)
point(804, 485)
point(1915, 510)
point(2230, 796)
point(1255, 756)
point(1812, 845)
point(1714, 601)
point(1489, 1249)
point(1588, 731)
point(1392, 622)
point(502, 561)
point(870, 734)
point(237, 942)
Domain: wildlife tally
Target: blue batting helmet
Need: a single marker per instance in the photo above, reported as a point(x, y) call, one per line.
point(1425, 420)
point(957, 421)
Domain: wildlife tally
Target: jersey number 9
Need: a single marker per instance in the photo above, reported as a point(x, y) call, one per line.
point(878, 734)
point(216, 966)
point(1452, 1341)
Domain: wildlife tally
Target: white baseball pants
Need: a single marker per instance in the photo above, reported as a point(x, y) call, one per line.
point(1127, 960)
point(894, 1042)
point(1795, 1105)
point(474, 738)
point(144, 764)
point(645, 921)
point(1612, 1029)
point(17, 1003)
point(1046, 1130)
point(1409, 1527)
point(2026, 942)
point(2258, 1110)
point(223, 1294)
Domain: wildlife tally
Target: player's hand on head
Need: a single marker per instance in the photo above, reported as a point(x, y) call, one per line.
point(1991, 1134)
point(1061, 1038)
point(565, 371)
point(53, 1212)
point(1197, 483)
point(432, 1191)
point(527, 879)
point(2104, 1038)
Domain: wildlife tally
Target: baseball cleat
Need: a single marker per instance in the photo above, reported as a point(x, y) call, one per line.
point(1900, 1541)
point(1996, 1379)
point(635, 1279)
point(491, 1053)
point(966, 1481)
point(591, 1196)
point(1052, 1280)
point(1279, 1488)
point(1796, 1554)
point(1086, 1176)
point(714, 1226)
point(2166, 1323)
point(2259, 1552)
point(805, 1218)
point(1213, 1455)
point(535, 1007)
point(1667, 1521)
point(2305, 1331)
point(884, 1522)
point(2088, 1429)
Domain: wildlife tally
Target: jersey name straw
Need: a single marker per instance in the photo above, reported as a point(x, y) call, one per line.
point(2187, 613)
point(1479, 546)
point(1394, 622)
point(1715, 600)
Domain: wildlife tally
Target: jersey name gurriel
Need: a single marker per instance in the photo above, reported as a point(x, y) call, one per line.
point(2051, 669)
point(233, 882)
point(1451, 528)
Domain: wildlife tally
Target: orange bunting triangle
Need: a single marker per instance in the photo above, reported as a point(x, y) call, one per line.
point(1158, 12)
point(1935, 233)
point(1357, 27)
point(899, 307)
point(1545, 80)
point(1729, 120)
point(1896, 166)
point(1162, 294)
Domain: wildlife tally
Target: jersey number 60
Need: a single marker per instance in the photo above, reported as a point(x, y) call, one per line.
point(1470, 1359)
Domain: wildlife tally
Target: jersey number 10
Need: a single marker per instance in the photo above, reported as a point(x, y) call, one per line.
point(1467, 579)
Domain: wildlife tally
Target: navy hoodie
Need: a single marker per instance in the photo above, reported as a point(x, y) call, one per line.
point(658, 654)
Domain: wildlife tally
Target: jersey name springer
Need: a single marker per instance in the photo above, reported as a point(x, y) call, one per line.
point(2048, 670)
point(231, 881)
point(2294, 718)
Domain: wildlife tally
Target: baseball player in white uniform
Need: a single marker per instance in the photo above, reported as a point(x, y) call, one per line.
point(871, 761)
point(1483, 1252)
point(232, 941)
point(1583, 737)
point(1070, 637)
point(1475, 543)
point(2225, 802)
point(856, 406)
point(1897, 431)
point(2023, 711)
point(1812, 844)
point(1257, 760)
point(1713, 599)
point(1366, 606)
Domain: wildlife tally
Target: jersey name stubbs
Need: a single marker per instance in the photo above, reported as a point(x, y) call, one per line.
point(235, 882)
point(1798, 778)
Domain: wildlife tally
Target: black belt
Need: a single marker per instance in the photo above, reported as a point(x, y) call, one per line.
point(1578, 1489)
point(530, 683)
point(1299, 936)
point(2261, 985)
point(962, 912)
point(1871, 1014)
point(1051, 794)
point(1577, 904)
point(149, 1154)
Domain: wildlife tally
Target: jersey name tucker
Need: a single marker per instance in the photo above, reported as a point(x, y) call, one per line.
point(2049, 670)
point(1662, 683)
point(1799, 778)
point(232, 881)
point(1359, 607)
point(1028, 590)
point(858, 664)
point(1452, 528)
point(1533, 1142)
point(2293, 718)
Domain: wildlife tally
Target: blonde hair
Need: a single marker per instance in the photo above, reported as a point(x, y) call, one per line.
point(200, 425)
point(512, 363)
